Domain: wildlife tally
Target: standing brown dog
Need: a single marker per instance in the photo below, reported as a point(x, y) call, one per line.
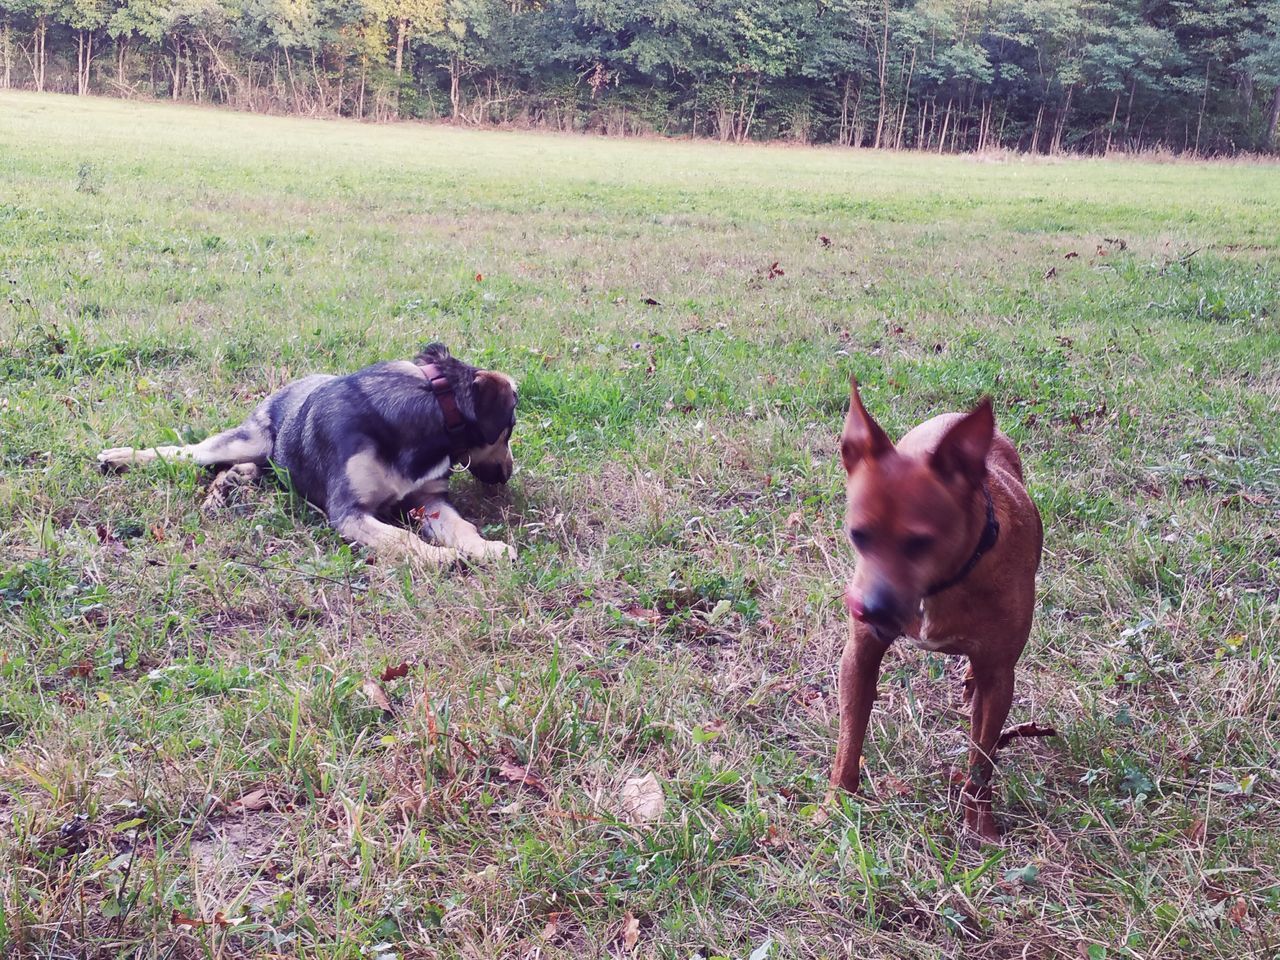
point(948, 545)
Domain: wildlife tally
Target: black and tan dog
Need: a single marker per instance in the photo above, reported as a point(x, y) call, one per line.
point(371, 446)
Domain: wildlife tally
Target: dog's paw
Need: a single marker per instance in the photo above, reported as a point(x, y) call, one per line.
point(115, 459)
point(492, 550)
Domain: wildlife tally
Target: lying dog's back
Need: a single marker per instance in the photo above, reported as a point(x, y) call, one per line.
point(373, 435)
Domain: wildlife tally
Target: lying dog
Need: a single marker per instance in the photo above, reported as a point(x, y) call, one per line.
point(948, 545)
point(369, 447)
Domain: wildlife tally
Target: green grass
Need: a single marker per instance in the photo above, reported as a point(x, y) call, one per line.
point(168, 267)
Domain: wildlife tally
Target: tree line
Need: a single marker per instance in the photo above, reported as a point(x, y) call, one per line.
point(1195, 76)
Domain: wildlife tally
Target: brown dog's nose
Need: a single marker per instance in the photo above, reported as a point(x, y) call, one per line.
point(879, 607)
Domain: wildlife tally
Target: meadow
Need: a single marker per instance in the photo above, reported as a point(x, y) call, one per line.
point(232, 735)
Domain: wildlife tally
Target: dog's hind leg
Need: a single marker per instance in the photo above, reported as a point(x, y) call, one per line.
point(447, 527)
point(368, 531)
point(248, 443)
point(992, 697)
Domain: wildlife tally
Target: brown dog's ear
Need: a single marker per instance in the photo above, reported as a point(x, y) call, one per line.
point(963, 449)
point(495, 403)
point(862, 436)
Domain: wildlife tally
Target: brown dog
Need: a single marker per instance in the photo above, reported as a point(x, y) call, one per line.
point(948, 544)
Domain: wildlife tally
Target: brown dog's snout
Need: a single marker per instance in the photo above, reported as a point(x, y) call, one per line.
point(879, 607)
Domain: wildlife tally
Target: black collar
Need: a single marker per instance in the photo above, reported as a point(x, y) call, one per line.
point(454, 423)
point(990, 534)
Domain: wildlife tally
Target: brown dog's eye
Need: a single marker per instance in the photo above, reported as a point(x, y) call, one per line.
point(916, 547)
point(859, 538)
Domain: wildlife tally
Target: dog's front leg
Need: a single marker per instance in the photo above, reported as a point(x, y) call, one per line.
point(447, 527)
point(859, 671)
point(383, 538)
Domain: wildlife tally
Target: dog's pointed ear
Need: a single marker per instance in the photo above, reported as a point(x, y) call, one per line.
point(963, 450)
point(495, 403)
point(862, 437)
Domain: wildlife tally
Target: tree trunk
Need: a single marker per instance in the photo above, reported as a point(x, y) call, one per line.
point(946, 122)
point(42, 31)
point(1273, 136)
point(1035, 135)
point(1203, 102)
point(455, 86)
point(402, 28)
point(1115, 111)
point(122, 52)
point(1128, 113)
point(1061, 126)
point(177, 67)
point(884, 64)
point(906, 102)
point(6, 68)
point(845, 126)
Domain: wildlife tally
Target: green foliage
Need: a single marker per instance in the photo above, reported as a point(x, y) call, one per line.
point(1041, 75)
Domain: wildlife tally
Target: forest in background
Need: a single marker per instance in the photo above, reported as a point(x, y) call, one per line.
point(1044, 76)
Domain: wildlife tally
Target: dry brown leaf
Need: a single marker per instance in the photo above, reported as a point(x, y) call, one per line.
point(642, 799)
point(395, 672)
point(630, 931)
point(523, 776)
point(1051, 273)
point(180, 919)
point(772, 838)
point(795, 519)
point(634, 611)
point(1237, 912)
point(252, 802)
point(377, 696)
point(554, 920)
point(1194, 831)
point(157, 533)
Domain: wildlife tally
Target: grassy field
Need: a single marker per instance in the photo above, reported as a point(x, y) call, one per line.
point(194, 761)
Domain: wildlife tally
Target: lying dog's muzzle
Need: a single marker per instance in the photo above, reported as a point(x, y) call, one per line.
point(491, 472)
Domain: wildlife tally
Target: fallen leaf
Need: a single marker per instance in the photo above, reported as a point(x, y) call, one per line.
point(377, 696)
point(479, 278)
point(826, 241)
point(642, 799)
point(772, 837)
point(552, 929)
point(795, 519)
point(157, 533)
point(894, 785)
point(1051, 273)
point(180, 919)
point(523, 776)
point(1238, 911)
point(775, 271)
point(1194, 831)
point(1117, 242)
point(634, 611)
point(251, 802)
point(651, 302)
point(761, 952)
point(1102, 251)
point(1071, 256)
point(82, 669)
point(395, 672)
point(630, 931)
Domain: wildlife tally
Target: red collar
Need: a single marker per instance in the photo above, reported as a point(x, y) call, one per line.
point(454, 424)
